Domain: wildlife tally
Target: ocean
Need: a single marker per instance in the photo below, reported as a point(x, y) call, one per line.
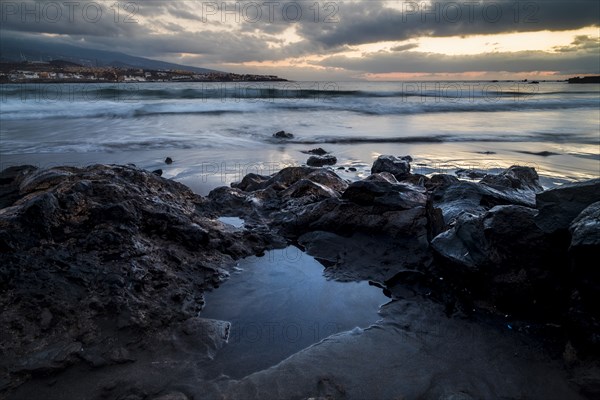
point(217, 132)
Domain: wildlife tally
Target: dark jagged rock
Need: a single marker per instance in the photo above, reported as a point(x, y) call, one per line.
point(308, 188)
point(474, 198)
point(516, 185)
point(585, 229)
point(92, 255)
point(497, 248)
point(558, 207)
point(382, 177)
point(320, 161)
point(87, 253)
point(283, 135)
point(397, 166)
point(251, 182)
point(168, 160)
point(464, 244)
point(291, 187)
point(288, 176)
point(344, 217)
point(318, 151)
point(469, 173)
point(385, 193)
point(158, 172)
point(584, 249)
point(440, 181)
point(10, 183)
point(515, 177)
point(415, 179)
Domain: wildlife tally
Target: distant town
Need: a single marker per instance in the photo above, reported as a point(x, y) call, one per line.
point(60, 71)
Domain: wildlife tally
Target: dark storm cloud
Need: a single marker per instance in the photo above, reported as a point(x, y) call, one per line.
point(369, 22)
point(522, 61)
point(213, 47)
point(88, 18)
point(165, 29)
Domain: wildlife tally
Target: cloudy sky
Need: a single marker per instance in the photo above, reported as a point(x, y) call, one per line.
point(314, 40)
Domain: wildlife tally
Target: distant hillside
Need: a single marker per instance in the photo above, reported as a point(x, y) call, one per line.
point(585, 79)
point(18, 49)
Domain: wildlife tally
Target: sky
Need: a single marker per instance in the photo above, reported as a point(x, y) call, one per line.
point(331, 40)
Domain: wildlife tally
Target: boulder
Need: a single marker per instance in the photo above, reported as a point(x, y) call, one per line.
point(585, 229)
point(320, 161)
point(440, 181)
point(470, 197)
point(288, 176)
point(464, 244)
point(345, 217)
point(515, 241)
point(397, 166)
point(382, 177)
point(558, 207)
point(515, 177)
point(251, 182)
point(313, 191)
point(168, 160)
point(384, 193)
point(507, 260)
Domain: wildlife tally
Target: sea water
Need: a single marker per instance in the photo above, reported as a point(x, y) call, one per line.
point(217, 132)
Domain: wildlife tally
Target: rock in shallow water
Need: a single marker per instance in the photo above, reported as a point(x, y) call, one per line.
point(515, 177)
point(320, 161)
point(283, 135)
point(397, 166)
point(318, 151)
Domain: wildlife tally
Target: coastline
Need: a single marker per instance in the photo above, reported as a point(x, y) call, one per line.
point(206, 169)
point(313, 206)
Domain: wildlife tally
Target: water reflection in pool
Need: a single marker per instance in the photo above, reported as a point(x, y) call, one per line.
point(281, 303)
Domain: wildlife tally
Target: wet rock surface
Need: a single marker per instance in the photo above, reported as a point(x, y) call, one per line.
point(90, 255)
point(321, 160)
point(104, 267)
point(397, 166)
point(558, 207)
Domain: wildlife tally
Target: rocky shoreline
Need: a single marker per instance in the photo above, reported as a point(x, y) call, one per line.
point(103, 270)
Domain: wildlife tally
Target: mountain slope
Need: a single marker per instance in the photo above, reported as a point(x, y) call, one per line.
point(17, 49)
